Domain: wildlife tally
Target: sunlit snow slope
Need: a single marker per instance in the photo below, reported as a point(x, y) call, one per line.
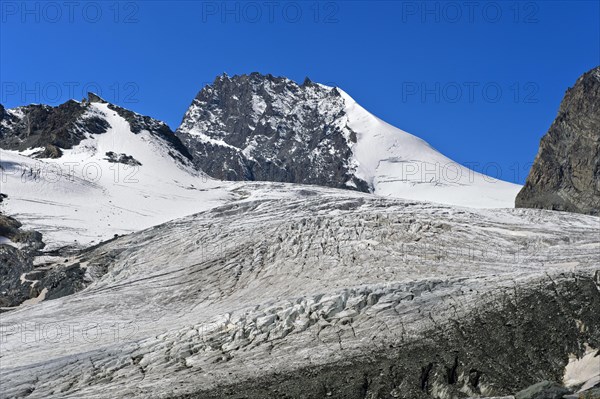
point(82, 198)
point(398, 164)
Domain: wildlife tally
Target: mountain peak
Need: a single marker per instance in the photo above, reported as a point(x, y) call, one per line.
point(307, 82)
point(263, 127)
point(65, 126)
point(220, 78)
point(253, 77)
point(94, 98)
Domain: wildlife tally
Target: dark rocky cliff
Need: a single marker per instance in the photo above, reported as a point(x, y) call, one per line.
point(261, 127)
point(53, 129)
point(566, 172)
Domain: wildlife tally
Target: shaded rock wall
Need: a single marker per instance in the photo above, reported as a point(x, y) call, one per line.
point(566, 172)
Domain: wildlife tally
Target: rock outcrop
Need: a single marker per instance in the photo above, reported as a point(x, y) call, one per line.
point(22, 279)
point(54, 129)
point(17, 248)
point(543, 390)
point(43, 126)
point(261, 127)
point(10, 228)
point(566, 172)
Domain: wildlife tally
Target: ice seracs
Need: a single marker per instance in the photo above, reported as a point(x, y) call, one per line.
point(308, 290)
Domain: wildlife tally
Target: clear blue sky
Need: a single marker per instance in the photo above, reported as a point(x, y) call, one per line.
point(480, 80)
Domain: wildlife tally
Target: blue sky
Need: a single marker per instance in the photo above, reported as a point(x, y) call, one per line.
point(479, 80)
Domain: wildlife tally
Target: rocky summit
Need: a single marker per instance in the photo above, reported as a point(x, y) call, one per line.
point(566, 172)
point(261, 127)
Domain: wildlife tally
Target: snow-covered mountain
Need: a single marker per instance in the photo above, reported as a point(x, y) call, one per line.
point(261, 127)
point(94, 169)
point(231, 289)
point(252, 127)
point(44, 131)
point(84, 171)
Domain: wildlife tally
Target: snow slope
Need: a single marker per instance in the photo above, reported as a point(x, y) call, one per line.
point(81, 198)
point(398, 164)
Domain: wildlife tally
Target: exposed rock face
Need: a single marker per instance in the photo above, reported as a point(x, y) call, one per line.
point(122, 158)
point(257, 127)
point(65, 126)
point(13, 263)
point(16, 259)
point(543, 390)
point(21, 279)
point(11, 229)
point(566, 172)
point(36, 125)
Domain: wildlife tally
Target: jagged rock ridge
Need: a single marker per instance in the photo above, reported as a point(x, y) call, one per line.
point(51, 128)
point(566, 172)
point(54, 129)
point(261, 127)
